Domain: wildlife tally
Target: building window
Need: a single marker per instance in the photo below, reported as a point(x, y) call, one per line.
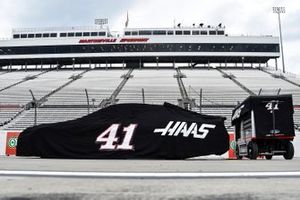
point(195, 32)
point(30, 35)
point(71, 34)
point(144, 32)
point(86, 34)
point(94, 34)
point(127, 33)
point(78, 34)
point(23, 35)
point(220, 33)
point(53, 34)
point(102, 33)
point(186, 32)
point(15, 36)
point(38, 35)
point(203, 32)
point(170, 32)
point(63, 35)
point(178, 32)
point(134, 33)
point(212, 32)
point(45, 35)
point(159, 32)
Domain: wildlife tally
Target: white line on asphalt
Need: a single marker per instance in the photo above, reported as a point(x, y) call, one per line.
point(150, 174)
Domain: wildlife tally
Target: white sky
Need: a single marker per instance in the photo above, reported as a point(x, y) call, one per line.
point(253, 17)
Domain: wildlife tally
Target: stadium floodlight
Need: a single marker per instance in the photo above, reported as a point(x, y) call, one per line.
point(101, 21)
point(280, 10)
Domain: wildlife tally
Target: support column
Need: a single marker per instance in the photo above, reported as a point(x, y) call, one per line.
point(140, 64)
point(73, 60)
point(243, 62)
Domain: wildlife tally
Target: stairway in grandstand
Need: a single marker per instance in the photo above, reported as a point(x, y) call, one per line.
point(62, 93)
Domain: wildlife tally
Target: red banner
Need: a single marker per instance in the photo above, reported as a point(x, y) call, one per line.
point(232, 144)
point(11, 142)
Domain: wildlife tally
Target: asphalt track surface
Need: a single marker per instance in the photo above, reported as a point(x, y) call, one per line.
point(34, 178)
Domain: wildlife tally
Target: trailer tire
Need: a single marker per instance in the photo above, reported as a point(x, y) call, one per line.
point(252, 150)
point(289, 154)
point(237, 153)
point(269, 157)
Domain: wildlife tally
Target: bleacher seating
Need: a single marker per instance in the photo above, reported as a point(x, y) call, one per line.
point(10, 78)
point(8, 112)
point(100, 84)
point(159, 86)
point(68, 101)
point(256, 79)
point(40, 86)
point(219, 111)
point(45, 116)
point(297, 116)
point(216, 90)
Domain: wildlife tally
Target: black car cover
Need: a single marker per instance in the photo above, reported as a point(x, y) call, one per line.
point(128, 131)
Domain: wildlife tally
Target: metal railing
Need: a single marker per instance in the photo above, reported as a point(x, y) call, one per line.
point(57, 29)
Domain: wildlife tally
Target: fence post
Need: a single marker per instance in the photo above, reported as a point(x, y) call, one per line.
point(278, 91)
point(88, 101)
point(35, 107)
point(200, 101)
point(143, 95)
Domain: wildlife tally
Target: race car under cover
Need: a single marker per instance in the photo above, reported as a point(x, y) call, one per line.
point(126, 131)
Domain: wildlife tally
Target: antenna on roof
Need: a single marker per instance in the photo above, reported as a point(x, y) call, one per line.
point(127, 20)
point(220, 25)
point(178, 25)
point(101, 22)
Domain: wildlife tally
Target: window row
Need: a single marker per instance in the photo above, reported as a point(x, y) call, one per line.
point(176, 32)
point(169, 47)
point(53, 35)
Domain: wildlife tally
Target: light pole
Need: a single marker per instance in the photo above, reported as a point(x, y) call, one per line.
point(280, 10)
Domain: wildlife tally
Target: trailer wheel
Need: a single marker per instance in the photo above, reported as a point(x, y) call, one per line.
point(289, 154)
point(252, 150)
point(269, 157)
point(237, 153)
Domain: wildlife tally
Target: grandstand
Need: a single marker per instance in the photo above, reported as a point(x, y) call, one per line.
point(55, 74)
point(62, 97)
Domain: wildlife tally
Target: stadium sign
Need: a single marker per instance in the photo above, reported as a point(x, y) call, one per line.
point(112, 40)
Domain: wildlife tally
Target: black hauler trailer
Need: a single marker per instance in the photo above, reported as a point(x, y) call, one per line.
point(264, 126)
